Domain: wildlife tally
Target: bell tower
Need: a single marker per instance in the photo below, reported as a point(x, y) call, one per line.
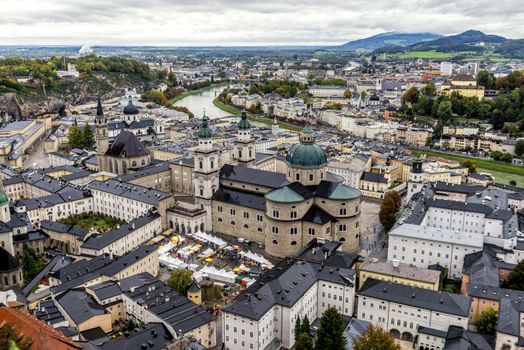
point(206, 169)
point(244, 144)
point(102, 138)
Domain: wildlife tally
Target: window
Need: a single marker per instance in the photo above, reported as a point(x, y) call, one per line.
point(311, 231)
point(342, 228)
point(275, 213)
point(310, 177)
point(259, 218)
point(246, 215)
point(297, 177)
point(293, 231)
point(220, 209)
point(275, 242)
point(343, 211)
point(293, 214)
point(232, 211)
point(293, 242)
point(274, 229)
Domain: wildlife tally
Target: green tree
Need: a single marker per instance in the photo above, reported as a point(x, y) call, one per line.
point(444, 111)
point(486, 79)
point(330, 335)
point(516, 278)
point(375, 338)
point(513, 182)
point(88, 137)
point(32, 263)
point(519, 148)
point(430, 89)
point(486, 322)
point(298, 330)
point(347, 94)
point(75, 137)
point(305, 326)
point(471, 165)
point(497, 155)
point(9, 339)
point(304, 342)
point(180, 280)
point(506, 157)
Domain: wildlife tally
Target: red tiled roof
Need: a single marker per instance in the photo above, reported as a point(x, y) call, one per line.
point(42, 335)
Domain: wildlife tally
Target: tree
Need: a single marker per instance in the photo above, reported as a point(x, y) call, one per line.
point(305, 326)
point(486, 79)
point(304, 342)
point(32, 264)
point(330, 335)
point(298, 329)
point(519, 148)
point(74, 136)
point(411, 96)
point(513, 182)
point(516, 278)
point(88, 138)
point(444, 111)
point(375, 338)
point(347, 94)
point(388, 209)
point(9, 339)
point(471, 165)
point(486, 322)
point(430, 89)
point(180, 280)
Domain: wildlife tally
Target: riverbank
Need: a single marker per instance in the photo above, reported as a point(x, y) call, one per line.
point(255, 118)
point(503, 172)
point(196, 92)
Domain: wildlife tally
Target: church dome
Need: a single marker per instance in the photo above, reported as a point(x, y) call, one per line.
point(130, 109)
point(244, 123)
point(3, 198)
point(306, 154)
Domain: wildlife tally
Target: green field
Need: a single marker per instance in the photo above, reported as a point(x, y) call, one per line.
point(194, 92)
point(425, 54)
point(503, 172)
point(264, 120)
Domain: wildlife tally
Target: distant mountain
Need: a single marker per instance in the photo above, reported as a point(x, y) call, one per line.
point(511, 49)
point(386, 40)
point(471, 40)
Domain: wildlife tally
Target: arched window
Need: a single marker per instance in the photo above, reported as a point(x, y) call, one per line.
point(14, 279)
point(134, 164)
point(293, 242)
point(143, 162)
point(342, 239)
point(233, 223)
point(310, 177)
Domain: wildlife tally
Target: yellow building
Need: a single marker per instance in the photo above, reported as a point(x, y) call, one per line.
point(464, 85)
point(396, 272)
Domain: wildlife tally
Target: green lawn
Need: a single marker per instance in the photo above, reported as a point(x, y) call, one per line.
point(425, 54)
point(101, 223)
point(195, 92)
point(255, 118)
point(503, 172)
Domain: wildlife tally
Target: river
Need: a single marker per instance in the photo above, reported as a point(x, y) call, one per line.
point(204, 100)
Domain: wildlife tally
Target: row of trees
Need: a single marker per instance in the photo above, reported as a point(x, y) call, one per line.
point(285, 88)
point(81, 139)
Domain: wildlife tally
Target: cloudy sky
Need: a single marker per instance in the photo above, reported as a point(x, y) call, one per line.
point(245, 22)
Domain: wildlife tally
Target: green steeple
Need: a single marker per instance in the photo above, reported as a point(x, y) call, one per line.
point(244, 123)
point(3, 198)
point(205, 131)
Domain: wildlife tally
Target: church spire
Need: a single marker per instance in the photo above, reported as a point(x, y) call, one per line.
point(99, 109)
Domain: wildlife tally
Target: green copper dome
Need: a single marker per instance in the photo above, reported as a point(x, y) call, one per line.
point(306, 154)
point(205, 131)
point(244, 123)
point(284, 195)
point(3, 198)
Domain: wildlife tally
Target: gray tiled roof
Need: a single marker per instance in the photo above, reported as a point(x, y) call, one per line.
point(252, 176)
point(127, 190)
point(80, 306)
point(449, 303)
point(155, 337)
point(284, 285)
point(101, 241)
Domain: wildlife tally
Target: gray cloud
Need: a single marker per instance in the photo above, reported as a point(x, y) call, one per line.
point(237, 22)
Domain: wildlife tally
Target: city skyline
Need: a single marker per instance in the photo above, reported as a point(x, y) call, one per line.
point(259, 23)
